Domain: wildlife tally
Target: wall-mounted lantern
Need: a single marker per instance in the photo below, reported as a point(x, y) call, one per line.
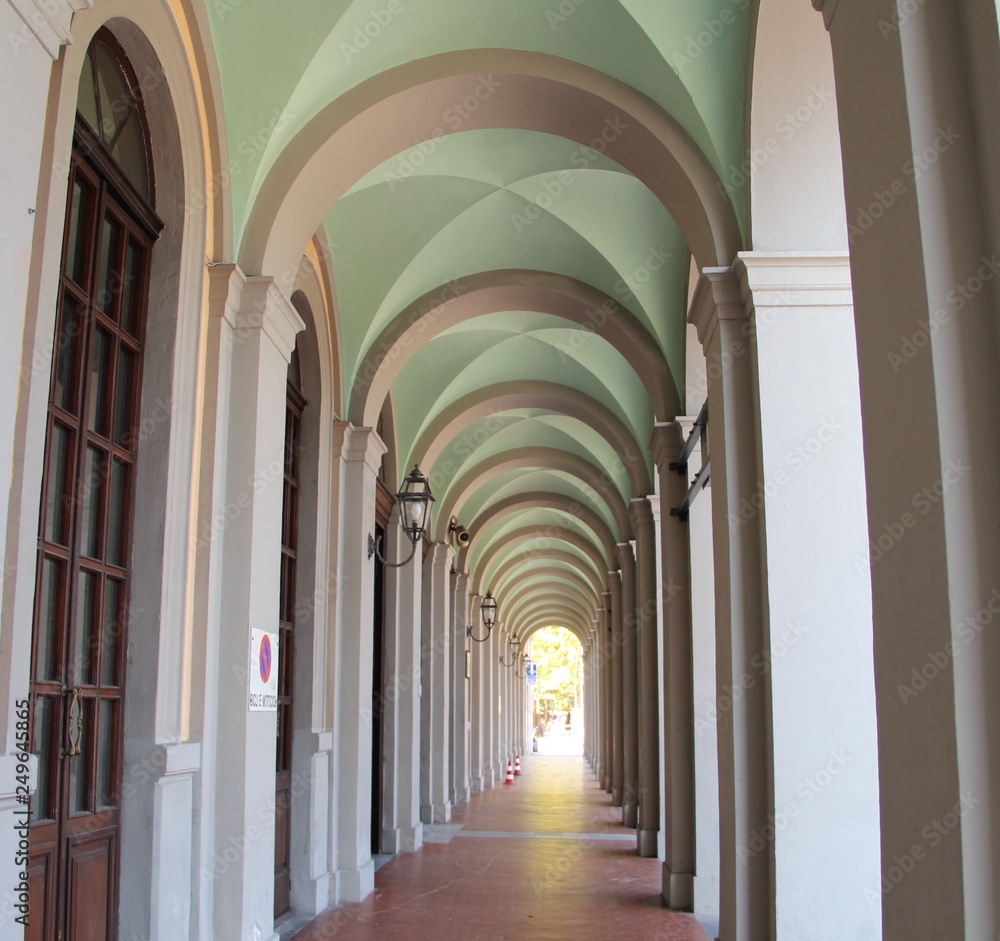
point(488, 608)
point(415, 499)
point(515, 649)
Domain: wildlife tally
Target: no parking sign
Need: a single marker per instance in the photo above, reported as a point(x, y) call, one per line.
point(263, 695)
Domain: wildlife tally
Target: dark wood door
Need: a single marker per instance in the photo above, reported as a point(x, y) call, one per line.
point(384, 501)
point(286, 645)
point(82, 584)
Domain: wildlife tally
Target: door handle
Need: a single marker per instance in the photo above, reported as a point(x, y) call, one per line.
point(74, 724)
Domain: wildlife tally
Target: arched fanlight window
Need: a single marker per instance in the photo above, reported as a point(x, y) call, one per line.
point(110, 102)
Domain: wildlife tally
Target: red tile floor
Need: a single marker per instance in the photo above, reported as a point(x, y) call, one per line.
point(546, 858)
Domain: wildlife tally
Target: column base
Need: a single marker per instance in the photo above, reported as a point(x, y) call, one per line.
point(678, 890)
point(630, 815)
point(476, 784)
point(616, 797)
point(403, 839)
point(435, 813)
point(460, 797)
point(312, 896)
point(354, 885)
point(648, 843)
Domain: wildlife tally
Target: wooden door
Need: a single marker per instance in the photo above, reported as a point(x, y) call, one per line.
point(83, 571)
point(286, 643)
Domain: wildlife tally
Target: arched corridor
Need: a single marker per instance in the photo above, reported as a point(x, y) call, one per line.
point(394, 390)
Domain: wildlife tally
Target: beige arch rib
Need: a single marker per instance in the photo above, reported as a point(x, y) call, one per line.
point(546, 606)
point(514, 563)
point(536, 500)
point(482, 576)
point(383, 116)
point(487, 292)
point(545, 576)
point(521, 459)
point(491, 400)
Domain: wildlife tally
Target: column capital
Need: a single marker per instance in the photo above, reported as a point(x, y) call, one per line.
point(441, 554)
point(225, 284)
point(769, 280)
point(249, 304)
point(356, 445)
point(828, 8)
point(717, 297)
point(641, 513)
point(263, 307)
point(667, 441)
point(626, 554)
point(789, 279)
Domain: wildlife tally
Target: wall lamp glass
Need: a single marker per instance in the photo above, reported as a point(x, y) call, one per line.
point(522, 669)
point(488, 609)
point(415, 499)
point(515, 649)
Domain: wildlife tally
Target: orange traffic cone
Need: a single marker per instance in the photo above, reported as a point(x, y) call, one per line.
point(510, 772)
point(517, 764)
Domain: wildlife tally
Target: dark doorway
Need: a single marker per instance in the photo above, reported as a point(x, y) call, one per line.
point(84, 568)
point(294, 405)
point(384, 501)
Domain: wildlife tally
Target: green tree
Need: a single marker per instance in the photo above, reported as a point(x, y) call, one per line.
point(557, 653)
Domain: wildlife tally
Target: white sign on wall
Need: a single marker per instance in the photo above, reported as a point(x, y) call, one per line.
point(263, 672)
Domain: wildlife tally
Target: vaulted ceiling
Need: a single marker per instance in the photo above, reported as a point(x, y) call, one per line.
point(511, 193)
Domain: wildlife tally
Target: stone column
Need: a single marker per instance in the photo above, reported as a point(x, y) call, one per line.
point(477, 728)
point(617, 662)
point(459, 691)
point(676, 662)
point(258, 334)
point(706, 712)
point(630, 687)
point(798, 758)
point(358, 452)
point(488, 657)
point(606, 667)
point(647, 834)
point(922, 198)
point(743, 719)
point(496, 645)
point(402, 829)
point(436, 667)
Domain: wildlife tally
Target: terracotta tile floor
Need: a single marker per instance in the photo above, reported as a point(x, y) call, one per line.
point(544, 859)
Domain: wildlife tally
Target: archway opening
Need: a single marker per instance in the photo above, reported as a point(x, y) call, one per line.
point(557, 691)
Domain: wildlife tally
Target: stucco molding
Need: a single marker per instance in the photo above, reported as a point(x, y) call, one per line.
point(50, 20)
